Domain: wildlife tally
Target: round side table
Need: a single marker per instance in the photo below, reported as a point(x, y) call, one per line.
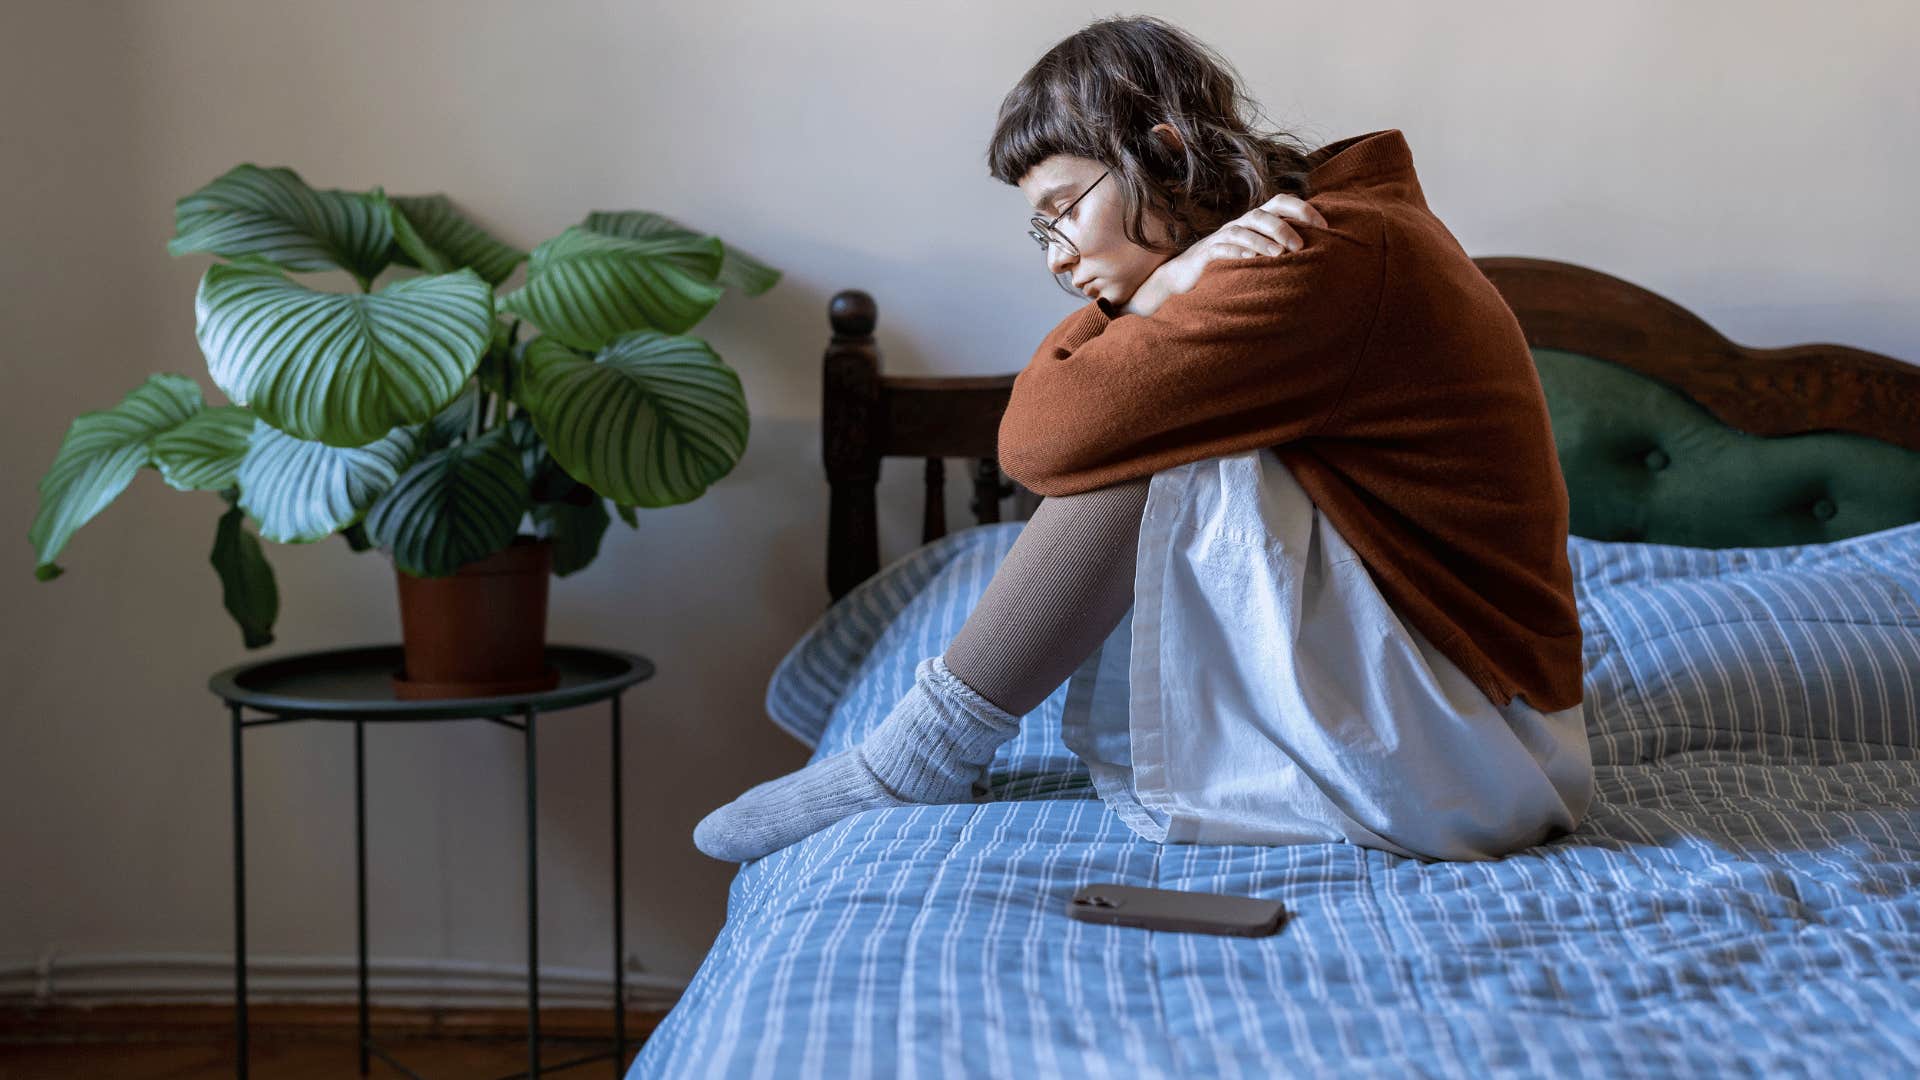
point(355, 684)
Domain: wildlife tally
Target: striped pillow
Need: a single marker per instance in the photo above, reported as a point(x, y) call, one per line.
point(856, 661)
point(1807, 653)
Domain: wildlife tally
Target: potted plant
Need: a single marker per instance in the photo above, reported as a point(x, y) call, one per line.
point(414, 418)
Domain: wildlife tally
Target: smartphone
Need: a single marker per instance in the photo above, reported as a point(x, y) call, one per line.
point(1175, 909)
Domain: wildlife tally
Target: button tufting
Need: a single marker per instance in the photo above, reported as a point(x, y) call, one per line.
point(1657, 459)
point(1824, 509)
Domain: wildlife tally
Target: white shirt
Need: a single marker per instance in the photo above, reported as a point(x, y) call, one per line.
point(1262, 691)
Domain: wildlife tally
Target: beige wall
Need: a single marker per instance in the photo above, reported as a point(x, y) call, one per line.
point(1753, 161)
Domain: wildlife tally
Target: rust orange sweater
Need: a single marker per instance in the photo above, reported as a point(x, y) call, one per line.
point(1389, 376)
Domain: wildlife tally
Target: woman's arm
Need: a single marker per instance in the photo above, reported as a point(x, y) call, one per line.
point(1257, 353)
point(1263, 230)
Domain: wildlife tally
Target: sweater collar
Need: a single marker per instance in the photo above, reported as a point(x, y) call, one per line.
point(1375, 159)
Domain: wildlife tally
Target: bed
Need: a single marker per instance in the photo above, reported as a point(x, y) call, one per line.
point(1743, 899)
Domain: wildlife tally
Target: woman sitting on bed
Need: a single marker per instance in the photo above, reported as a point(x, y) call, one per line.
point(1305, 445)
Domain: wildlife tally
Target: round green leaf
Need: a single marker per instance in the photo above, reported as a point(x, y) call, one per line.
point(204, 453)
point(429, 233)
point(301, 491)
point(98, 458)
point(651, 420)
point(586, 288)
point(457, 504)
point(272, 214)
point(341, 368)
point(738, 270)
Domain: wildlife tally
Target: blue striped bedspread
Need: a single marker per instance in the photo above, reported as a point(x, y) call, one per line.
point(1743, 898)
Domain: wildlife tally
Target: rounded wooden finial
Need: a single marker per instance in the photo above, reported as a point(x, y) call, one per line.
point(852, 313)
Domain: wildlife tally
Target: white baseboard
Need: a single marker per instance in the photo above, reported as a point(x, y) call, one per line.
point(61, 978)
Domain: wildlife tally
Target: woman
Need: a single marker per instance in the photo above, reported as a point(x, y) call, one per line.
point(1310, 455)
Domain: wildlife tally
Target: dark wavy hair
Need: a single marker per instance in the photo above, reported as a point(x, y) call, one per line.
point(1098, 94)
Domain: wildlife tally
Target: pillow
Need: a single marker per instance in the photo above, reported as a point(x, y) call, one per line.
point(1807, 653)
point(856, 661)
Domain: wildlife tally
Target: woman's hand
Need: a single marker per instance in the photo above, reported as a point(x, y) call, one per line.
point(1262, 230)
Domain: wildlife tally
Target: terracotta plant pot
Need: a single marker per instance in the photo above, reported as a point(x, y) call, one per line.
point(480, 632)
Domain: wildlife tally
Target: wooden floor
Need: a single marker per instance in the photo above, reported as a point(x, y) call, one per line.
point(432, 1058)
point(300, 1042)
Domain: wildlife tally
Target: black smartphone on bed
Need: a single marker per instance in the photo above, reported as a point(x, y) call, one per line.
point(1176, 909)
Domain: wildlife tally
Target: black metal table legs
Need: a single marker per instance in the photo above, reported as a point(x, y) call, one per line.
point(239, 904)
point(619, 910)
point(360, 884)
point(368, 1049)
point(533, 899)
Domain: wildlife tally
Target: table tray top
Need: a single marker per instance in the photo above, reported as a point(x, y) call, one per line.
point(356, 684)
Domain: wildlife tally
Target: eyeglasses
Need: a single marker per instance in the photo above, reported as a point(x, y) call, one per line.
point(1046, 235)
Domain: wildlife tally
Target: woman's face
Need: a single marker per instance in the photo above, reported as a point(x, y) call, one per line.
point(1108, 264)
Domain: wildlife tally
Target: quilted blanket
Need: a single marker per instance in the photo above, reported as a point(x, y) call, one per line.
point(1743, 898)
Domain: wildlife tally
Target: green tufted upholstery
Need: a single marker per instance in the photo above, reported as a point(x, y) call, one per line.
point(1644, 462)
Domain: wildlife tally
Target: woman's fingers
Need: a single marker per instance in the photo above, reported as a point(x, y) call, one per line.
point(1266, 235)
point(1284, 205)
point(1264, 230)
point(1277, 227)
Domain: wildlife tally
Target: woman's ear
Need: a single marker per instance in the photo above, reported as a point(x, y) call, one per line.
point(1168, 135)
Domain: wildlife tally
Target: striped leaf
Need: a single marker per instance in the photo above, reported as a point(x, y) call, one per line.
point(247, 587)
point(575, 529)
point(586, 288)
point(301, 491)
point(454, 421)
point(455, 505)
point(272, 214)
point(341, 368)
point(430, 234)
point(650, 420)
point(738, 270)
point(98, 458)
point(533, 453)
point(204, 453)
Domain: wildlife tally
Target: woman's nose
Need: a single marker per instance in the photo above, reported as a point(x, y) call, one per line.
point(1059, 258)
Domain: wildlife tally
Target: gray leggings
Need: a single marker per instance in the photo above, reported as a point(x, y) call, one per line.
point(1060, 591)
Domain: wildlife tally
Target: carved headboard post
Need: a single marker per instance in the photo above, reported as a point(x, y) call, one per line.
point(851, 442)
point(868, 416)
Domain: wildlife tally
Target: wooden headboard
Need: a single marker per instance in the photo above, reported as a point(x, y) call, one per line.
point(868, 416)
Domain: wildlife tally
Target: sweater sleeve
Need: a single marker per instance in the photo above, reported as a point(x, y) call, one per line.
point(1257, 353)
point(1079, 327)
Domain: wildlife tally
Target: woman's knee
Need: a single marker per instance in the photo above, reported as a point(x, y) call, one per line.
point(1113, 511)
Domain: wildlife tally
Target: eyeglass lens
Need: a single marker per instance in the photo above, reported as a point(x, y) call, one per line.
point(1046, 234)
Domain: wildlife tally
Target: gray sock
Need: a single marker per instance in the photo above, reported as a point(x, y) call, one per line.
point(932, 748)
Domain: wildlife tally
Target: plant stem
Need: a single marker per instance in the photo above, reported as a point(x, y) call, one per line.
point(506, 373)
